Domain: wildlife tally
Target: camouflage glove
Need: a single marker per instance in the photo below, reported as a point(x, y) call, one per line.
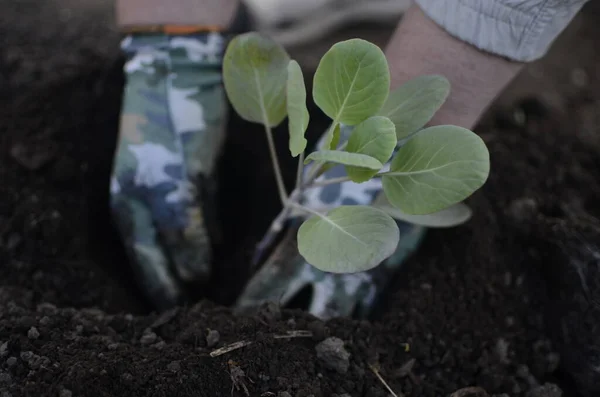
point(171, 134)
point(285, 274)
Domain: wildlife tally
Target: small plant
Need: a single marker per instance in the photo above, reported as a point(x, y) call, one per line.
point(432, 170)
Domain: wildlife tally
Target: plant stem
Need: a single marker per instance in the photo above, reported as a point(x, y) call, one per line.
point(326, 182)
point(275, 228)
point(342, 146)
point(317, 166)
point(292, 201)
point(306, 209)
point(300, 171)
point(333, 181)
point(276, 168)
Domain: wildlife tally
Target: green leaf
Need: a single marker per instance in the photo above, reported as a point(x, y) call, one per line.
point(375, 137)
point(345, 158)
point(348, 239)
point(450, 217)
point(351, 82)
point(298, 116)
point(438, 167)
point(414, 103)
point(255, 78)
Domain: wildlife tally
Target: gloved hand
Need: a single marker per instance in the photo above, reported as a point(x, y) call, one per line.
point(285, 274)
point(171, 135)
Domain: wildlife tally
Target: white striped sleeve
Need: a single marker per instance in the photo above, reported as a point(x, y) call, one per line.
point(521, 30)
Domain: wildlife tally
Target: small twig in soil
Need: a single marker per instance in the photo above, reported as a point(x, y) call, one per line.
point(378, 375)
point(241, 344)
point(229, 348)
point(405, 369)
point(294, 334)
point(237, 376)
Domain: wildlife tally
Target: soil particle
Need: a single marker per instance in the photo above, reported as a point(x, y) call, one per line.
point(546, 390)
point(470, 392)
point(270, 312)
point(5, 378)
point(65, 393)
point(34, 155)
point(33, 333)
point(148, 338)
point(27, 356)
point(212, 338)
point(174, 366)
point(318, 329)
point(333, 355)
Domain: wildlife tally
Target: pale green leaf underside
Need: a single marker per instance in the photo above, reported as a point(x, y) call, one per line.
point(298, 116)
point(414, 103)
point(349, 239)
point(351, 82)
point(345, 158)
point(439, 167)
point(450, 217)
point(375, 137)
point(255, 78)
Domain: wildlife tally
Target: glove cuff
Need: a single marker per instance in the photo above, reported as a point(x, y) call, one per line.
point(170, 29)
point(176, 47)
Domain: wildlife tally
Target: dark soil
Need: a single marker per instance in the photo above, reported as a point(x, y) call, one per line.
point(468, 311)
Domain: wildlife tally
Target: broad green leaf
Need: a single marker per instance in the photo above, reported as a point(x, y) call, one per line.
point(351, 82)
point(345, 158)
point(414, 103)
point(375, 137)
point(255, 78)
point(348, 239)
point(298, 116)
point(452, 216)
point(335, 139)
point(439, 167)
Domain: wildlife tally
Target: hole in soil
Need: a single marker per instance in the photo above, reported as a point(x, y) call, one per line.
point(248, 201)
point(590, 205)
point(302, 299)
point(552, 210)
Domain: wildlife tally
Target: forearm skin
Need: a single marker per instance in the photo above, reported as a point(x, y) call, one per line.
point(419, 46)
point(211, 13)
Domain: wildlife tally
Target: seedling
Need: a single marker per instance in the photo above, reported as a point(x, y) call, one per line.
point(431, 169)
